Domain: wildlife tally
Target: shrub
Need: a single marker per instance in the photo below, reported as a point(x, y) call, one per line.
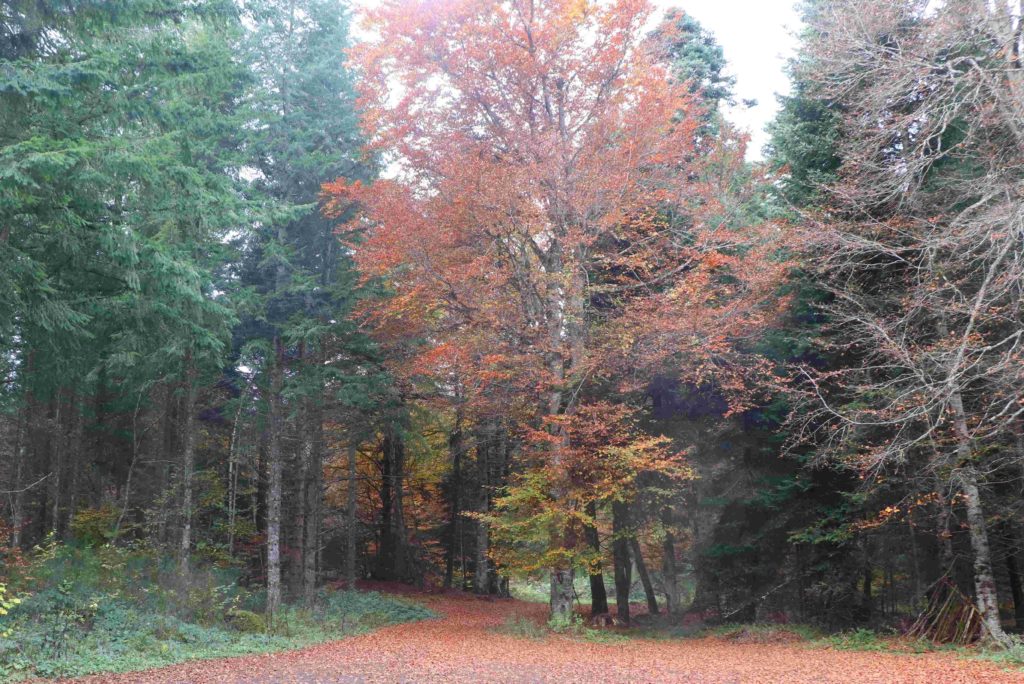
point(246, 621)
point(571, 623)
point(521, 626)
point(94, 527)
point(107, 609)
point(7, 602)
point(858, 640)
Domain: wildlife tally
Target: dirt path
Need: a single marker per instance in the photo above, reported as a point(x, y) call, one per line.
point(462, 646)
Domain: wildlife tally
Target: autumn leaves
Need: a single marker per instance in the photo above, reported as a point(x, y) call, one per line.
point(555, 233)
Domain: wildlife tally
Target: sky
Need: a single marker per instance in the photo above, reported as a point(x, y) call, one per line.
point(758, 37)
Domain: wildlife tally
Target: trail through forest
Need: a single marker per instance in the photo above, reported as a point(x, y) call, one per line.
point(465, 645)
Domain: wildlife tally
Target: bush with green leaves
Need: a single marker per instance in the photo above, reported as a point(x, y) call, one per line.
point(523, 627)
point(111, 609)
point(7, 603)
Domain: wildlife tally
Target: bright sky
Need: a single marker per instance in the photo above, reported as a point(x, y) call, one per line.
point(758, 37)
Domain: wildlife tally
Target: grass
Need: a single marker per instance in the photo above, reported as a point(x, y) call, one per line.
point(86, 611)
point(522, 627)
point(851, 640)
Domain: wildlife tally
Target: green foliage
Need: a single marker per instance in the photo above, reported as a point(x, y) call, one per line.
point(116, 189)
point(804, 139)
point(523, 627)
point(7, 603)
point(117, 610)
point(246, 621)
point(1012, 655)
point(698, 59)
point(566, 623)
point(859, 640)
point(94, 526)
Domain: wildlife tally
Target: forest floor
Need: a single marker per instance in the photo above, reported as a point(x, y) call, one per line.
point(470, 642)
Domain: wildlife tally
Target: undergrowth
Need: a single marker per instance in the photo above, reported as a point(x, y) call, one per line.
point(521, 626)
point(85, 610)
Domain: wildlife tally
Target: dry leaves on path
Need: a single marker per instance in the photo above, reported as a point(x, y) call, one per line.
point(463, 646)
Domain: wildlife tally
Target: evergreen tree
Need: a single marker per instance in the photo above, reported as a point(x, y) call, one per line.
point(305, 133)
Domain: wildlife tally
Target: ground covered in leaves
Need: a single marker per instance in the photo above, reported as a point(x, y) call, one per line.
point(477, 640)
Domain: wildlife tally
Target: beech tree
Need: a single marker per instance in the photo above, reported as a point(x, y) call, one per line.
point(539, 150)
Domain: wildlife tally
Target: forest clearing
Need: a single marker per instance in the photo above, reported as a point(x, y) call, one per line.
point(466, 644)
point(512, 340)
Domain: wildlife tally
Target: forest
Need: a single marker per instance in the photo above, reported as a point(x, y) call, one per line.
point(322, 320)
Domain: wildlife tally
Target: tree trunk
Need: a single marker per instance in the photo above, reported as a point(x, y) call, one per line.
point(482, 567)
point(75, 458)
point(984, 580)
point(562, 593)
point(313, 502)
point(1013, 570)
point(669, 573)
point(620, 558)
point(19, 494)
point(233, 467)
point(187, 466)
point(598, 595)
point(274, 472)
point(914, 556)
point(386, 547)
point(350, 515)
point(401, 568)
point(57, 442)
point(645, 577)
point(867, 576)
point(454, 521)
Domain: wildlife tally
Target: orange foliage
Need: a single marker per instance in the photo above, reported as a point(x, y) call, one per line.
point(550, 220)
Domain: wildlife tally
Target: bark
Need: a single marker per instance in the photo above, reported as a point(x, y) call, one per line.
point(164, 460)
point(386, 546)
point(1013, 570)
point(984, 579)
point(75, 453)
point(914, 556)
point(17, 502)
point(562, 593)
point(598, 594)
point(482, 566)
point(274, 472)
point(401, 569)
point(620, 558)
point(482, 569)
point(187, 466)
point(645, 577)
point(313, 503)
point(669, 572)
point(867, 576)
point(454, 522)
point(233, 473)
point(126, 499)
point(393, 555)
point(54, 483)
point(350, 517)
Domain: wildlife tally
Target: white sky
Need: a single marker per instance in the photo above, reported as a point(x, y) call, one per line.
point(758, 37)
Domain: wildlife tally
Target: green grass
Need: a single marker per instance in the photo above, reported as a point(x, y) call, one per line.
point(87, 611)
point(850, 640)
point(522, 627)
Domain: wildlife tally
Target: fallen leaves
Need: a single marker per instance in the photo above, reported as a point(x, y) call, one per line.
point(464, 646)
